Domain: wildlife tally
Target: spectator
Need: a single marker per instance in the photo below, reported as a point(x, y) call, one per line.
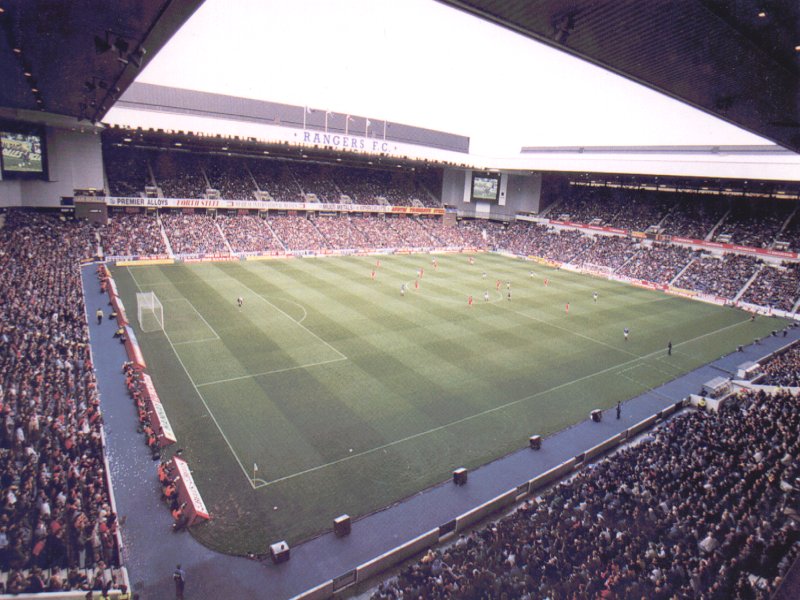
point(55, 511)
point(193, 234)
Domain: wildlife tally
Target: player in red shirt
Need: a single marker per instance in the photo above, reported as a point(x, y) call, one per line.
point(416, 284)
point(373, 274)
point(471, 260)
point(497, 285)
point(546, 282)
point(469, 300)
point(567, 308)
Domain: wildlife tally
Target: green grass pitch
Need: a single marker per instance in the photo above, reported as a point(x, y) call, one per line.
point(349, 396)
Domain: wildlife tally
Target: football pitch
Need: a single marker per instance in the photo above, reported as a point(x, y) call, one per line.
point(329, 392)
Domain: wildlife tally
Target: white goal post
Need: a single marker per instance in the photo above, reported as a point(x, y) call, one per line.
point(149, 311)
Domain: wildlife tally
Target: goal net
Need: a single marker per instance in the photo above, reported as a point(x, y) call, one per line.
point(149, 311)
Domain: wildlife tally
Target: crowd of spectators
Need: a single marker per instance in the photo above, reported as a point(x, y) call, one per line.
point(193, 234)
point(754, 223)
point(775, 287)
point(127, 172)
point(634, 210)
point(694, 217)
point(791, 235)
point(782, 369)
point(402, 232)
point(659, 263)
point(230, 178)
point(720, 276)
point(746, 222)
point(274, 177)
point(564, 245)
point(248, 233)
point(179, 175)
point(57, 528)
point(609, 252)
point(132, 235)
point(705, 507)
point(183, 175)
point(316, 179)
point(395, 232)
point(583, 204)
point(341, 233)
point(639, 210)
point(297, 233)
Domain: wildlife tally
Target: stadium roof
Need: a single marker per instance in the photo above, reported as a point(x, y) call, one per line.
point(736, 59)
point(76, 57)
point(428, 64)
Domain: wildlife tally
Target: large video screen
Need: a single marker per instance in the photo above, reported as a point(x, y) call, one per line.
point(23, 152)
point(485, 187)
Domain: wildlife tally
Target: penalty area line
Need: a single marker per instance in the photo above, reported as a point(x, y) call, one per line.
point(199, 395)
point(294, 368)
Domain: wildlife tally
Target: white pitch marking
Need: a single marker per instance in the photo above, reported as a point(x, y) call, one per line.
point(203, 400)
point(488, 411)
point(294, 368)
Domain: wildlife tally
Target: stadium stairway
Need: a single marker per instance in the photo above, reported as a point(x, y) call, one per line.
point(151, 550)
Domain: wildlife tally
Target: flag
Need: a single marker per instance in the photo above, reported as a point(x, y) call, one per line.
point(349, 118)
point(308, 110)
point(369, 122)
point(255, 467)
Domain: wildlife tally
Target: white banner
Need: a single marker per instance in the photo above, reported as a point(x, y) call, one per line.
point(260, 205)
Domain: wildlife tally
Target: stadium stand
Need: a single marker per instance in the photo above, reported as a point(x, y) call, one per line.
point(316, 179)
point(298, 234)
point(719, 276)
point(183, 175)
point(775, 287)
point(57, 526)
point(658, 263)
point(693, 216)
point(791, 235)
point(127, 172)
point(398, 232)
point(609, 252)
point(705, 507)
point(132, 235)
point(179, 175)
point(341, 233)
point(783, 369)
point(230, 178)
point(275, 178)
point(755, 223)
point(248, 234)
point(563, 245)
point(193, 234)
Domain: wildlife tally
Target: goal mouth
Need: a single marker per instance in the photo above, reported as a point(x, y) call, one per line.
point(149, 312)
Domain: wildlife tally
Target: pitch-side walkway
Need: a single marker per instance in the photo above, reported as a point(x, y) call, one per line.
point(152, 550)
